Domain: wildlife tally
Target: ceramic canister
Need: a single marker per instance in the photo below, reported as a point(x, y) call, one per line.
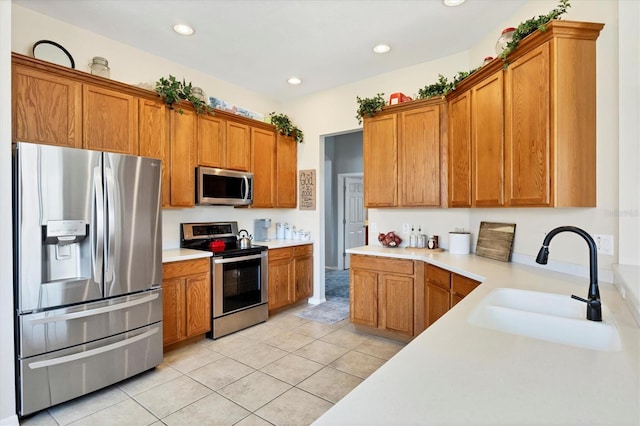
point(459, 242)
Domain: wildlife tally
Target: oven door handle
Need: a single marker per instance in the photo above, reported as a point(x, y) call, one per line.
point(240, 259)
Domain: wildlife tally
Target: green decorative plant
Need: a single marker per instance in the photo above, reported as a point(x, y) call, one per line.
point(527, 27)
point(284, 125)
point(369, 106)
point(172, 90)
point(439, 88)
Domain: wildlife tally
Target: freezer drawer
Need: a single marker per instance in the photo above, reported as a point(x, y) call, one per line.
point(62, 328)
point(59, 376)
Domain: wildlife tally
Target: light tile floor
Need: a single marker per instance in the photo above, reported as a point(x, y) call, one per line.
point(287, 371)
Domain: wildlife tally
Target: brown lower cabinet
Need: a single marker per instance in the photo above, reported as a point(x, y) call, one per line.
point(290, 275)
point(399, 298)
point(442, 290)
point(186, 303)
point(381, 294)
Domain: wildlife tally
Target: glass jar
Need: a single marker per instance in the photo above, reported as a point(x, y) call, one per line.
point(99, 66)
point(198, 93)
point(487, 60)
point(505, 37)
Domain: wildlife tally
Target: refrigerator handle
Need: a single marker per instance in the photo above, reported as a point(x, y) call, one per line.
point(97, 250)
point(92, 352)
point(111, 223)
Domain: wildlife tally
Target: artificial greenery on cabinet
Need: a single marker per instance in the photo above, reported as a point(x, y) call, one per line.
point(368, 107)
point(172, 90)
point(285, 126)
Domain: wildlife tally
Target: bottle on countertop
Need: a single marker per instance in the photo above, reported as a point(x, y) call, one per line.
point(413, 240)
point(422, 238)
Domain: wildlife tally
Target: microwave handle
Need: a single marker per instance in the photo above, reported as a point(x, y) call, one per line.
point(246, 188)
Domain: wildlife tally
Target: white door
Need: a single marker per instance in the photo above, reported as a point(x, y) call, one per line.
point(354, 215)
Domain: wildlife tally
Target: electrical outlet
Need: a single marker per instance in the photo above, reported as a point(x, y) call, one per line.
point(604, 243)
point(406, 228)
point(373, 228)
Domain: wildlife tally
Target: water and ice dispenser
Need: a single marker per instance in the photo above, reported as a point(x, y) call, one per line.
point(66, 250)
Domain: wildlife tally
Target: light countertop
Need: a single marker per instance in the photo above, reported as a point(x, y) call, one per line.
point(458, 373)
point(273, 244)
point(178, 254)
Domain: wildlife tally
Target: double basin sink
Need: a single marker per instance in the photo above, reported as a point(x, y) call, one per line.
point(550, 317)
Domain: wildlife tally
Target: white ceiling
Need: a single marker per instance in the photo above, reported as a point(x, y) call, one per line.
point(258, 44)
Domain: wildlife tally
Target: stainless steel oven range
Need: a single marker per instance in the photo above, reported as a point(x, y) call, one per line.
point(238, 276)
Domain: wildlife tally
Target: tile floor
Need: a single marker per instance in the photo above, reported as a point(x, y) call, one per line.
point(287, 371)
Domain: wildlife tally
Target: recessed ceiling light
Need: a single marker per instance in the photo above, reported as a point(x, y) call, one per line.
point(183, 29)
point(453, 2)
point(294, 81)
point(381, 48)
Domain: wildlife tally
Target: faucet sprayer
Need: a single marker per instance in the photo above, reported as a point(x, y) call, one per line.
point(594, 307)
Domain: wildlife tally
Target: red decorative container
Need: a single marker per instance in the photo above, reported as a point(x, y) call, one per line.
point(216, 246)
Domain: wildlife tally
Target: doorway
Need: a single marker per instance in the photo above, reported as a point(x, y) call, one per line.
point(342, 159)
point(351, 215)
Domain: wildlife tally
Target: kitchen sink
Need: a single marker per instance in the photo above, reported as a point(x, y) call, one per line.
point(545, 316)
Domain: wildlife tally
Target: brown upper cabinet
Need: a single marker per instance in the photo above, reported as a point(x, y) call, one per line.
point(238, 147)
point(274, 165)
point(109, 120)
point(526, 135)
point(404, 153)
point(181, 159)
point(212, 143)
point(60, 106)
point(286, 171)
point(47, 108)
point(263, 165)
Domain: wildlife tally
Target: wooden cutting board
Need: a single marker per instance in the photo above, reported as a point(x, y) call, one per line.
point(495, 240)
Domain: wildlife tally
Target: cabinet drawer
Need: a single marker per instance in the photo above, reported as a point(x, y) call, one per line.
point(280, 253)
point(463, 285)
point(437, 276)
point(185, 268)
point(304, 250)
point(384, 264)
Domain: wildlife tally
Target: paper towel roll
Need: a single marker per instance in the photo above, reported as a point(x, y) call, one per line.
point(459, 242)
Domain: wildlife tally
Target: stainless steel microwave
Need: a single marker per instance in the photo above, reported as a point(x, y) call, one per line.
point(223, 187)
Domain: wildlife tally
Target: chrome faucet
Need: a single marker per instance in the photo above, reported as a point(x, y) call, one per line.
point(594, 307)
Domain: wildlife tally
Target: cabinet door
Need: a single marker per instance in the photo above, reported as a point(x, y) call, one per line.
point(109, 120)
point(303, 273)
point(280, 283)
point(152, 128)
point(528, 129)
point(182, 145)
point(172, 310)
point(380, 156)
point(363, 297)
point(46, 109)
point(419, 157)
point(459, 128)
point(396, 304)
point(461, 287)
point(211, 141)
point(198, 305)
point(286, 171)
point(263, 166)
point(488, 141)
point(436, 302)
point(238, 155)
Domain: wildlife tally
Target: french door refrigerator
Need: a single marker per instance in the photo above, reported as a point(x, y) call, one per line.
point(87, 271)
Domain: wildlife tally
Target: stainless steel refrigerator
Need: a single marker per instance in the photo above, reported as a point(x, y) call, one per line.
point(87, 272)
